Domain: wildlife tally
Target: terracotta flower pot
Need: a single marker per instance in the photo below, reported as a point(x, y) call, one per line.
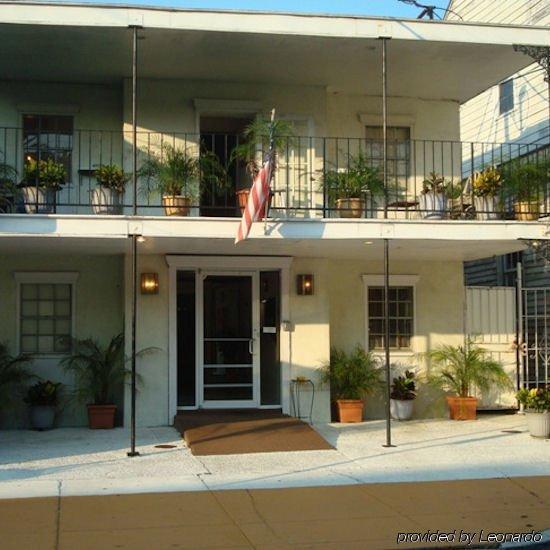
point(242, 198)
point(527, 211)
point(101, 417)
point(176, 205)
point(350, 410)
point(462, 408)
point(350, 208)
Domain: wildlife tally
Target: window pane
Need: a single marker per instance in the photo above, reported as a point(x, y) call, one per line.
point(45, 324)
point(400, 317)
point(29, 291)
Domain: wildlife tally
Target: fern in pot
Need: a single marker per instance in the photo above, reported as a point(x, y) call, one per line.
point(14, 374)
point(99, 372)
point(41, 182)
point(111, 183)
point(349, 189)
point(252, 150)
point(174, 173)
point(526, 185)
point(536, 402)
point(43, 399)
point(403, 394)
point(459, 370)
point(351, 376)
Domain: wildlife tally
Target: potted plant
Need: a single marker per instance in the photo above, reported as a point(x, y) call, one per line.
point(403, 394)
point(41, 182)
point(175, 174)
point(255, 146)
point(348, 190)
point(351, 377)
point(99, 371)
point(107, 196)
point(8, 187)
point(537, 410)
point(461, 369)
point(432, 200)
point(43, 399)
point(485, 189)
point(525, 186)
point(13, 374)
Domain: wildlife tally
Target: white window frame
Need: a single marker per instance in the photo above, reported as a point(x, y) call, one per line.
point(395, 280)
point(44, 277)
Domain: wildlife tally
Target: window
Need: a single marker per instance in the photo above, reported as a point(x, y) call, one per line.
point(398, 156)
point(46, 312)
point(506, 96)
point(400, 316)
point(48, 137)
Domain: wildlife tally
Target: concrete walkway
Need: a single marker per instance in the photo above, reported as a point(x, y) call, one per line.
point(349, 517)
point(70, 462)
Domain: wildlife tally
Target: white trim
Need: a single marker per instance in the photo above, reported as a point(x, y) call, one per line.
point(43, 277)
point(395, 280)
point(401, 121)
point(231, 264)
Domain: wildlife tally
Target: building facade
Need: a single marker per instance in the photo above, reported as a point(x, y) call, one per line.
point(231, 325)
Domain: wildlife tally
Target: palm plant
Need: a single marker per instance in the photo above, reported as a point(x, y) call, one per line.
point(435, 183)
point(353, 375)
point(525, 181)
point(460, 369)
point(99, 371)
point(8, 186)
point(359, 178)
point(174, 171)
point(13, 373)
point(257, 139)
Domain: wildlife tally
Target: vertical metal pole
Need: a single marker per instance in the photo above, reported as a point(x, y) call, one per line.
point(134, 116)
point(387, 339)
point(385, 123)
point(133, 452)
point(520, 377)
point(386, 241)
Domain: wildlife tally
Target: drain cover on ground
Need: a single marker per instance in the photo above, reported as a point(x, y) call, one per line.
point(165, 446)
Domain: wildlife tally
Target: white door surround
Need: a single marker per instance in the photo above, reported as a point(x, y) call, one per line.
point(225, 265)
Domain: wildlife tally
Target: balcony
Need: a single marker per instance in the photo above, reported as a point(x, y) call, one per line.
point(315, 177)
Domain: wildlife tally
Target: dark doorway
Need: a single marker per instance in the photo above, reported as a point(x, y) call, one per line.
point(220, 135)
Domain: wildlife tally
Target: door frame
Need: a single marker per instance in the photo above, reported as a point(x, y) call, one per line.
point(230, 264)
point(199, 343)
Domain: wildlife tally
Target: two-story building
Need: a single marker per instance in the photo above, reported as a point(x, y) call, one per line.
point(232, 324)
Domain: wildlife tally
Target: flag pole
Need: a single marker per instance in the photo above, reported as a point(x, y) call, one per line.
point(271, 147)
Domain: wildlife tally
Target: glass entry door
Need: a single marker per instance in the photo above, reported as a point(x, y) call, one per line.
point(230, 354)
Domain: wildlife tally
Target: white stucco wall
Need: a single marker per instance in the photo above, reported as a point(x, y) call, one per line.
point(98, 314)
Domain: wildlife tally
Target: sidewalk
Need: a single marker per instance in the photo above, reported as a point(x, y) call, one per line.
point(339, 517)
point(79, 462)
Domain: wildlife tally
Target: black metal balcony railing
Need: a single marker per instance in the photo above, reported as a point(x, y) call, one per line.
point(316, 177)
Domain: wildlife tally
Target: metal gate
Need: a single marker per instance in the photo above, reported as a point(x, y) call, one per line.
point(535, 340)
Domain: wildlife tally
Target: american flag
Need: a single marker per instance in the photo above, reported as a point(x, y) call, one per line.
point(258, 198)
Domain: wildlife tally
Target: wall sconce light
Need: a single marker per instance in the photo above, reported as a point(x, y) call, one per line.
point(305, 285)
point(149, 283)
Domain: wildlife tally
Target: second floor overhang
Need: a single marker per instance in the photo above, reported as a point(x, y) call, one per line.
point(430, 240)
point(434, 60)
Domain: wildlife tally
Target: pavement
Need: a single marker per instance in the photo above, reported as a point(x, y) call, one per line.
point(363, 516)
point(80, 462)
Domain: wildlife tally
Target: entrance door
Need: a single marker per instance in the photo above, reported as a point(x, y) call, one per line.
point(230, 343)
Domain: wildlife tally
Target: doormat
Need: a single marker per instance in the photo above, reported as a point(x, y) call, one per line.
point(246, 431)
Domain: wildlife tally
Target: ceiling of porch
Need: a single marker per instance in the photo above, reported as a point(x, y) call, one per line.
point(417, 68)
point(337, 249)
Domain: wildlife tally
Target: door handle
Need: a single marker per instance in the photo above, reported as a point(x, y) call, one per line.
point(251, 346)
